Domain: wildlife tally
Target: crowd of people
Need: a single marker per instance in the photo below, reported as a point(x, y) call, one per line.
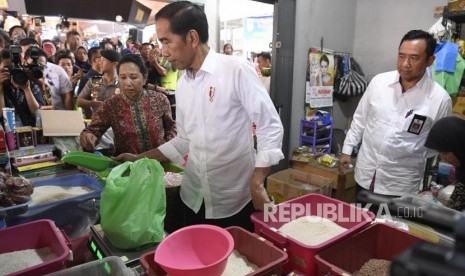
point(125, 92)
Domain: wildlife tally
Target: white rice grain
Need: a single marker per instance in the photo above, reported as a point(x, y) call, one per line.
point(19, 260)
point(238, 265)
point(50, 193)
point(311, 230)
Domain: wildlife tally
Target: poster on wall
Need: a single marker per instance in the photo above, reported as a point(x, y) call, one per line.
point(320, 79)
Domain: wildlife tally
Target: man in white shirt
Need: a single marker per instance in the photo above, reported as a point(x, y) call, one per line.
point(216, 100)
point(393, 119)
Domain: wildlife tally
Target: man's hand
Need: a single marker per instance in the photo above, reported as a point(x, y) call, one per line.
point(257, 189)
point(153, 55)
point(344, 163)
point(76, 77)
point(4, 76)
point(96, 104)
point(22, 87)
point(88, 141)
point(125, 157)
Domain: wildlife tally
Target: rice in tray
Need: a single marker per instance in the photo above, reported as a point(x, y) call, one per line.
point(311, 230)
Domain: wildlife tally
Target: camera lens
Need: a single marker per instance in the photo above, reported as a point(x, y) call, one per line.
point(19, 76)
point(37, 72)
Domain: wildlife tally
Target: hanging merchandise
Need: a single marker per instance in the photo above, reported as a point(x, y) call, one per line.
point(450, 81)
point(353, 83)
point(448, 67)
point(445, 56)
point(320, 79)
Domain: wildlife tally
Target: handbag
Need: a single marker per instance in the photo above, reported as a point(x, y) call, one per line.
point(353, 83)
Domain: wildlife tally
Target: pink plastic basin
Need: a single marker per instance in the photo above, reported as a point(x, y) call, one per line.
point(196, 250)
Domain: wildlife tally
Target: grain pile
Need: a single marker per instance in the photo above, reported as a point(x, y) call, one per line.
point(19, 260)
point(311, 230)
point(374, 267)
point(238, 265)
point(50, 193)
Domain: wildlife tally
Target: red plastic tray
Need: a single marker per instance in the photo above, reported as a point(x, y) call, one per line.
point(379, 241)
point(35, 235)
point(264, 254)
point(301, 256)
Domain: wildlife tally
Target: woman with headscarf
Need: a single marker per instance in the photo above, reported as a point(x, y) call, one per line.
point(447, 136)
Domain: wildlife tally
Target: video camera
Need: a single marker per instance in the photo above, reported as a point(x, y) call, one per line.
point(20, 73)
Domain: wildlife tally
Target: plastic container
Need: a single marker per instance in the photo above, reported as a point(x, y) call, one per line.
point(14, 210)
point(301, 256)
point(107, 266)
point(264, 254)
point(68, 214)
point(36, 235)
point(290, 183)
point(379, 241)
point(183, 253)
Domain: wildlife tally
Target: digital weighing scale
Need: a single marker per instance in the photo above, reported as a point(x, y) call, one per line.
point(101, 247)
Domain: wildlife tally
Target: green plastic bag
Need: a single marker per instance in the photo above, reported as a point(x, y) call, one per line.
point(133, 204)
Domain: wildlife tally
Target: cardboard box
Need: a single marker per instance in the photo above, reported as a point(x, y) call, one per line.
point(290, 183)
point(458, 106)
point(52, 122)
point(343, 184)
point(39, 138)
point(456, 5)
point(24, 137)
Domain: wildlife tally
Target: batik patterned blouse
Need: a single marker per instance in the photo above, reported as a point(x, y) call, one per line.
point(138, 126)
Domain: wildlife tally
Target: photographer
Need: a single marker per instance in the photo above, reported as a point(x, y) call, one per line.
point(25, 99)
point(55, 77)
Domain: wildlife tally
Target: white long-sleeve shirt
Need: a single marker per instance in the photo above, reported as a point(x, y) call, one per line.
point(381, 122)
point(214, 113)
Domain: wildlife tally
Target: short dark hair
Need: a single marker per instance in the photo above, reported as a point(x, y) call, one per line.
point(92, 52)
point(136, 59)
point(5, 54)
point(265, 55)
point(420, 34)
point(39, 51)
point(10, 31)
point(183, 17)
point(28, 41)
point(70, 33)
point(65, 53)
point(107, 41)
point(48, 40)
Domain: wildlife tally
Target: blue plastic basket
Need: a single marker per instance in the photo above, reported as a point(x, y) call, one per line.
point(14, 210)
point(65, 213)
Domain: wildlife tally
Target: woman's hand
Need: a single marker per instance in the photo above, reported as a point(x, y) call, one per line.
point(88, 141)
point(125, 157)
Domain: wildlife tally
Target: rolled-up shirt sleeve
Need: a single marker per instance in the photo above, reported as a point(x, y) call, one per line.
point(261, 110)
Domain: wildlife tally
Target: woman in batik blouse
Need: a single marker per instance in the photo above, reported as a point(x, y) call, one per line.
point(141, 119)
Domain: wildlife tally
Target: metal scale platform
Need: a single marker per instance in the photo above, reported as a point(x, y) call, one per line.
point(101, 247)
